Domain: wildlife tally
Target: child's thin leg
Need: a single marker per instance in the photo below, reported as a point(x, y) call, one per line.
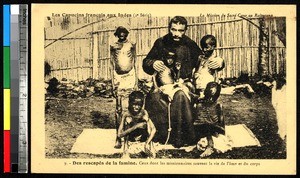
point(219, 112)
point(118, 113)
point(125, 148)
point(210, 147)
point(150, 150)
point(125, 145)
point(153, 150)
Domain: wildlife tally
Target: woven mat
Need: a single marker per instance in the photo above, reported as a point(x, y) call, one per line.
point(101, 141)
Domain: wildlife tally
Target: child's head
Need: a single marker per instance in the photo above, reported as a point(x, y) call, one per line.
point(121, 33)
point(212, 92)
point(208, 44)
point(170, 58)
point(136, 102)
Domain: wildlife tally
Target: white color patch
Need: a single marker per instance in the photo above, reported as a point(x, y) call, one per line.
point(14, 9)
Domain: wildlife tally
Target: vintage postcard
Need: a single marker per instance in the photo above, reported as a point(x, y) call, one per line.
point(163, 89)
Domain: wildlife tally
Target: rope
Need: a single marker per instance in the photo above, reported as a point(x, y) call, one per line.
point(169, 118)
point(216, 76)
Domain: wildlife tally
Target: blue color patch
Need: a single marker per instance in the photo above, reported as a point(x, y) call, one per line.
point(6, 25)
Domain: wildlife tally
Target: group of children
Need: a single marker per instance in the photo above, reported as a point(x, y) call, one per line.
point(135, 130)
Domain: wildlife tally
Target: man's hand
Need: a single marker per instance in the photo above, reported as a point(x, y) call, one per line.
point(215, 63)
point(159, 66)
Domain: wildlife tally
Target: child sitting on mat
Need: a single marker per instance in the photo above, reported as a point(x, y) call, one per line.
point(137, 128)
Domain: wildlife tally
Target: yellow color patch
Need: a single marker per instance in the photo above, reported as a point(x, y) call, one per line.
point(6, 109)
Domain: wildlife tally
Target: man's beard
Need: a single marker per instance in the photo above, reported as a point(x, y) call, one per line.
point(171, 38)
point(175, 38)
point(177, 42)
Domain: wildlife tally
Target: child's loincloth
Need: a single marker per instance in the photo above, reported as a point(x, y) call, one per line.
point(125, 81)
point(205, 75)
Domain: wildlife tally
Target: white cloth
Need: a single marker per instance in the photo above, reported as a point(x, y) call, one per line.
point(222, 143)
point(170, 90)
point(125, 81)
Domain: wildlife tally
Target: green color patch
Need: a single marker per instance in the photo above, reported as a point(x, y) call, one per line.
point(6, 67)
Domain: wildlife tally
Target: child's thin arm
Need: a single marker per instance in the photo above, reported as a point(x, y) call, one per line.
point(112, 67)
point(121, 127)
point(131, 129)
point(152, 130)
point(195, 73)
point(135, 65)
point(123, 133)
point(126, 132)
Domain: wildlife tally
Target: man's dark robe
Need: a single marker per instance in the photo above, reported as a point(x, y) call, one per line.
point(186, 52)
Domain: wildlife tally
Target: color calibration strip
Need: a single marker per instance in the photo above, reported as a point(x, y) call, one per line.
point(15, 84)
point(6, 87)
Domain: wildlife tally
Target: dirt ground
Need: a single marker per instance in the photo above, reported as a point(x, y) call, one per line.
point(66, 119)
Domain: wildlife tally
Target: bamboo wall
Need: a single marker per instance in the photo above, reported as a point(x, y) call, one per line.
point(84, 52)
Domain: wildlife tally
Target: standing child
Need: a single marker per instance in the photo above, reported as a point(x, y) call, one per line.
point(123, 60)
point(205, 72)
point(209, 90)
point(136, 127)
point(123, 72)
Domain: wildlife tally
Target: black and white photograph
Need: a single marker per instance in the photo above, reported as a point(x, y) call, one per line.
point(124, 87)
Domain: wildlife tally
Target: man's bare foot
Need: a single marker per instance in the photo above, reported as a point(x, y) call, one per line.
point(208, 151)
